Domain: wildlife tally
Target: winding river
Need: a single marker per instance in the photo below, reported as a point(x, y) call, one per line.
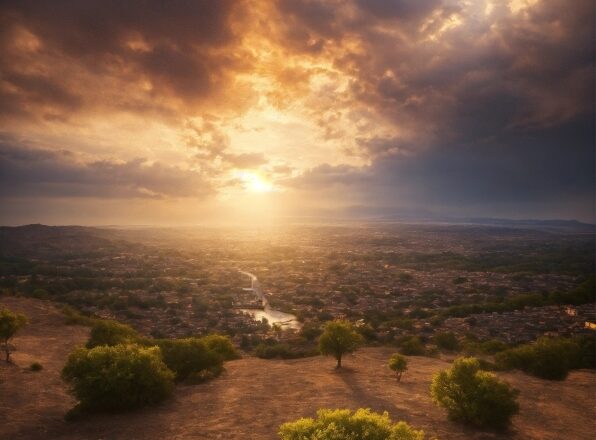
point(286, 320)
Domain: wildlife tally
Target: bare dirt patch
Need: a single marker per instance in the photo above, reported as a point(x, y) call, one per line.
point(255, 396)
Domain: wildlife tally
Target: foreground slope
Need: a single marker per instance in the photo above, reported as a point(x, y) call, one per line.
point(255, 396)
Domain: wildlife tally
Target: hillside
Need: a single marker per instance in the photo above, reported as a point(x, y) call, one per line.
point(255, 396)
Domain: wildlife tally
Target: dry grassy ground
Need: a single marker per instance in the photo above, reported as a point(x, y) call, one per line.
point(255, 396)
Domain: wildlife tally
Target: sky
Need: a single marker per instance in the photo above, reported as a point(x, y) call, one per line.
point(190, 112)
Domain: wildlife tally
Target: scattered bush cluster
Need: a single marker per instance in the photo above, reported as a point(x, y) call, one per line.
point(117, 378)
point(120, 370)
point(549, 358)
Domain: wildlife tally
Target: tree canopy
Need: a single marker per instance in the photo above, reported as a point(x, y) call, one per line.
point(399, 364)
point(339, 338)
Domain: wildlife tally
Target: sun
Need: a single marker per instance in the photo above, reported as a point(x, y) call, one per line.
point(253, 182)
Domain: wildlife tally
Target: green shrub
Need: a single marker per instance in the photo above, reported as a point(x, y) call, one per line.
point(587, 351)
point(117, 378)
point(341, 424)
point(222, 345)
point(10, 324)
point(412, 346)
point(35, 366)
point(269, 350)
point(111, 333)
point(311, 331)
point(473, 396)
point(492, 346)
point(74, 317)
point(447, 341)
point(399, 364)
point(547, 358)
point(190, 358)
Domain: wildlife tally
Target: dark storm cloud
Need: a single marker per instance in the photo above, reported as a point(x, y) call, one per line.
point(33, 172)
point(476, 104)
point(401, 9)
point(498, 109)
point(170, 45)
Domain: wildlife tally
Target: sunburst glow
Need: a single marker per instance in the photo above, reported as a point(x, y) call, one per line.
point(255, 183)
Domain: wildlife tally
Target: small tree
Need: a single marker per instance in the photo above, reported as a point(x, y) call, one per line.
point(111, 333)
point(10, 324)
point(337, 424)
point(473, 396)
point(339, 338)
point(117, 378)
point(399, 364)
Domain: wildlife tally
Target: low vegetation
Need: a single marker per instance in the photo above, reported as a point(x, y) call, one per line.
point(447, 341)
point(271, 349)
point(340, 424)
point(222, 346)
point(549, 358)
point(118, 360)
point(399, 364)
point(35, 366)
point(473, 396)
point(10, 324)
point(412, 346)
point(111, 333)
point(190, 359)
point(117, 378)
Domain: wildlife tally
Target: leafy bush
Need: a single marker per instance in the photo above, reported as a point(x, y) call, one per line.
point(10, 324)
point(117, 378)
point(190, 358)
point(111, 333)
point(587, 351)
point(74, 317)
point(473, 396)
point(222, 345)
point(492, 346)
point(311, 331)
point(447, 341)
point(35, 366)
point(363, 424)
point(339, 338)
point(412, 346)
point(548, 358)
point(270, 350)
point(399, 364)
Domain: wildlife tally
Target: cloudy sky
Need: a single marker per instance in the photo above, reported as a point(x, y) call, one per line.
point(184, 112)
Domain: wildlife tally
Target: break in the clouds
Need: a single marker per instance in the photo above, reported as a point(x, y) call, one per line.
point(30, 172)
point(450, 106)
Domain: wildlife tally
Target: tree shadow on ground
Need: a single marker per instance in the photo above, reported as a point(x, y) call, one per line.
point(364, 397)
